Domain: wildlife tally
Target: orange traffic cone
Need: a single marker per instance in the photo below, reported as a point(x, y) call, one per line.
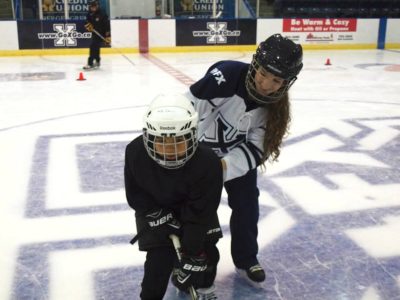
point(81, 77)
point(328, 62)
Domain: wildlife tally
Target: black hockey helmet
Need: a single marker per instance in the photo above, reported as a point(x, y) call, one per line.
point(94, 3)
point(279, 56)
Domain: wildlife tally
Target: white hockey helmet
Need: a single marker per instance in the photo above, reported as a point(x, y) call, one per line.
point(170, 130)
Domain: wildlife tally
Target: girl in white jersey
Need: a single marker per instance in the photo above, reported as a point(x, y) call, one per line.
point(244, 113)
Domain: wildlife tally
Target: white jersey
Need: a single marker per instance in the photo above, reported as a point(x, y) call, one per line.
point(229, 122)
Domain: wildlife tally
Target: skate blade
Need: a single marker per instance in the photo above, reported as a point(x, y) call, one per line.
point(243, 274)
point(90, 69)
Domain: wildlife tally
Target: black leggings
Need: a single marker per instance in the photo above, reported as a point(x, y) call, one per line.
point(158, 267)
point(243, 200)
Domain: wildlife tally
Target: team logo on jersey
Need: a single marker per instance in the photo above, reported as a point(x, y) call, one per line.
point(217, 33)
point(64, 35)
point(224, 137)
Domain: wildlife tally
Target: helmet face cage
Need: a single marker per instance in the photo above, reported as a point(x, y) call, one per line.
point(171, 151)
point(279, 56)
point(255, 66)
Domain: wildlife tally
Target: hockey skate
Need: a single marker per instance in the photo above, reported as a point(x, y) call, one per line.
point(253, 275)
point(202, 293)
point(88, 67)
point(207, 293)
point(94, 66)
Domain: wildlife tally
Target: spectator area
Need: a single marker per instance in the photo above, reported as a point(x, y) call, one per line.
point(337, 8)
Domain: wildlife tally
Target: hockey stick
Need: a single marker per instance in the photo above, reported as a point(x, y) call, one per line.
point(177, 246)
point(138, 235)
point(115, 49)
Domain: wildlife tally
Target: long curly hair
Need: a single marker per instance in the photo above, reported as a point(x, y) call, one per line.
point(278, 121)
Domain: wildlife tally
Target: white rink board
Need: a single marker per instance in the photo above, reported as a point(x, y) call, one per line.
point(124, 33)
point(162, 33)
point(9, 35)
point(393, 31)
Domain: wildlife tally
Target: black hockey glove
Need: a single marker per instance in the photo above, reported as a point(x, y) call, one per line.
point(190, 271)
point(162, 217)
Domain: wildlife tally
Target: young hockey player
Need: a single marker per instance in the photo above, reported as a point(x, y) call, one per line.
point(98, 23)
point(174, 185)
point(244, 113)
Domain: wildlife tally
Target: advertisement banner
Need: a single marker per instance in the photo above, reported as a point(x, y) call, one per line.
point(77, 9)
point(52, 34)
point(204, 8)
point(320, 31)
point(221, 32)
point(319, 25)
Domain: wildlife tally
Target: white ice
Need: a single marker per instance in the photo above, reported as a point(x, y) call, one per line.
point(329, 209)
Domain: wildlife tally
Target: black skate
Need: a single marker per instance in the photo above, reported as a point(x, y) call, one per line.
point(253, 275)
point(94, 66)
point(88, 67)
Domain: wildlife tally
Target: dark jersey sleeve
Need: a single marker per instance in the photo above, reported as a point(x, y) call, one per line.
point(106, 27)
point(138, 198)
point(222, 80)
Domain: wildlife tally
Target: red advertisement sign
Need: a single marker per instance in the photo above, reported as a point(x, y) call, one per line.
point(319, 25)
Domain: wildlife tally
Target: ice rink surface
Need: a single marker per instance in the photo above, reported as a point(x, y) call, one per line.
point(329, 225)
